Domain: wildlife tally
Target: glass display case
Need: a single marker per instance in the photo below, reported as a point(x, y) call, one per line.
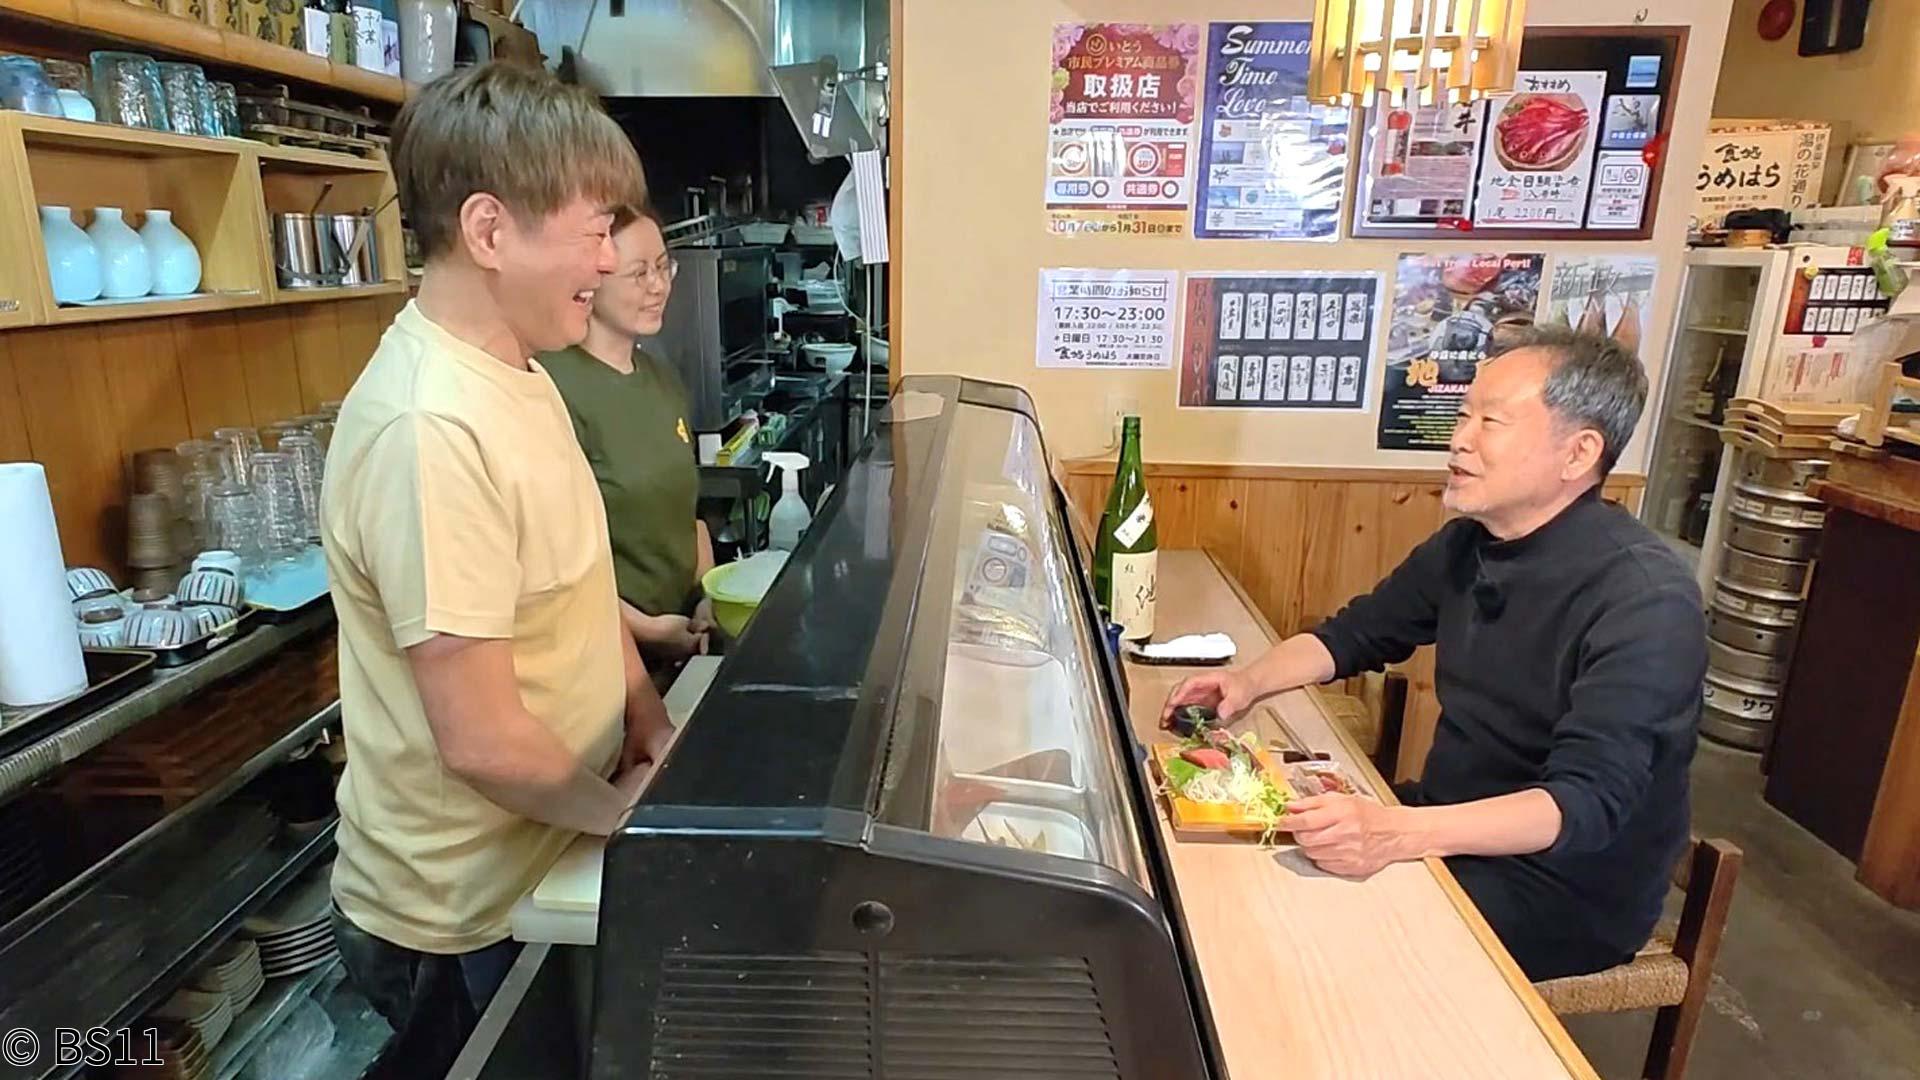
point(1723, 331)
point(908, 830)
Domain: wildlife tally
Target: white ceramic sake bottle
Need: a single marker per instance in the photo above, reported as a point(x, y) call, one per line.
point(73, 264)
point(175, 262)
point(124, 270)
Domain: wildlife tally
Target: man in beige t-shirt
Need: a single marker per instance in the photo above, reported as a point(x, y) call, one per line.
point(492, 703)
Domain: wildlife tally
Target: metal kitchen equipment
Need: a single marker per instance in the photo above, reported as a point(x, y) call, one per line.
point(715, 329)
point(354, 250)
point(297, 251)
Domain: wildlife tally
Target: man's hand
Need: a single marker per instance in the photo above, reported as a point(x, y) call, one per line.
point(1226, 691)
point(1348, 835)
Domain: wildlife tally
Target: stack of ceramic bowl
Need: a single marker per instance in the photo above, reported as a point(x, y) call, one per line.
point(98, 608)
point(234, 971)
point(208, 1015)
point(1754, 608)
point(184, 1055)
point(294, 933)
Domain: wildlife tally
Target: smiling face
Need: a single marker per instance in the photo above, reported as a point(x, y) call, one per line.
point(1510, 454)
point(633, 300)
point(549, 270)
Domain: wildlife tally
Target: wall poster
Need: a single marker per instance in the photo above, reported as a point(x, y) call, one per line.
point(1757, 163)
point(1447, 311)
point(1120, 128)
point(1421, 169)
point(1106, 318)
point(1601, 294)
point(1273, 165)
point(1539, 156)
point(1298, 340)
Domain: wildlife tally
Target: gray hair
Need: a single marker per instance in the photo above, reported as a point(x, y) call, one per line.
point(1595, 382)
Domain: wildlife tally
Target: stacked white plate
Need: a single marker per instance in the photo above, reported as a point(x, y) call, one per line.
point(234, 971)
point(207, 1015)
point(294, 933)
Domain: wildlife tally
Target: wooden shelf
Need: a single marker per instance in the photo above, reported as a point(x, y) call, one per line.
point(120, 23)
point(222, 192)
point(343, 292)
point(153, 307)
point(303, 159)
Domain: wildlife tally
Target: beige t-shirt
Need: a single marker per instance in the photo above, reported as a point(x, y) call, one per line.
point(458, 502)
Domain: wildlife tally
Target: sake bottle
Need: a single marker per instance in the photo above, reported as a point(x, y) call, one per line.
point(1127, 551)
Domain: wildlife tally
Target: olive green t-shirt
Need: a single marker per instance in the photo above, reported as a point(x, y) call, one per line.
point(633, 428)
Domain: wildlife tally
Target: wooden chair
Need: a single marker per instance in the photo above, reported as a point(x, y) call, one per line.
point(1672, 972)
point(1373, 711)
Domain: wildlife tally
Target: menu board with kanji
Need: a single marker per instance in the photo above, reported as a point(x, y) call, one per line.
point(1758, 164)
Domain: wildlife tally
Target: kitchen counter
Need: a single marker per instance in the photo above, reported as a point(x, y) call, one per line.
point(1845, 762)
point(1307, 975)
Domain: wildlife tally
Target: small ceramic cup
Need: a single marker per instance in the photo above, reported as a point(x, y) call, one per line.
point(209, 587)
point(102, 621)
point(207, 618)
point(158, 628)
point(223, 562)
point(85, 583)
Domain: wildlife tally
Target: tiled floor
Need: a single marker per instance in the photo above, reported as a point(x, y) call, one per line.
point(1818, 978)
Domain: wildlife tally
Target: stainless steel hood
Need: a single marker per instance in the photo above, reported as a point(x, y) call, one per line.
point(697, 48)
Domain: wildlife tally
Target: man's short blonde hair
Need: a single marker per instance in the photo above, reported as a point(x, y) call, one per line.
point(513, 132)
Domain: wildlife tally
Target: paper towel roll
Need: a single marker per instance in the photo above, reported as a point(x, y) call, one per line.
point(40, 657)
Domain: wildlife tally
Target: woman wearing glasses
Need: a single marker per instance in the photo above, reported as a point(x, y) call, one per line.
point(629, 412)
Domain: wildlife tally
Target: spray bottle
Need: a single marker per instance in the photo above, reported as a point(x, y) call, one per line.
point(790, 516)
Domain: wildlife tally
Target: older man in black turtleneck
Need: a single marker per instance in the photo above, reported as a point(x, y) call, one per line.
point(1571, 648)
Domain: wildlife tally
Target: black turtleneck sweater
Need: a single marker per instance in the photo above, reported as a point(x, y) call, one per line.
point(1568, 660)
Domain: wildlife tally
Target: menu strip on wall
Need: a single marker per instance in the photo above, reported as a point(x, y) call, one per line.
point(1300, 340)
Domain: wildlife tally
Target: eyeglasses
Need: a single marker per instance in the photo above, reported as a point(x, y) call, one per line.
point(661, 273)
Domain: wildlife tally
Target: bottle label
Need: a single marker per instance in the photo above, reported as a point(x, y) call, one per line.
point(1128, 532)
point(1134, 580)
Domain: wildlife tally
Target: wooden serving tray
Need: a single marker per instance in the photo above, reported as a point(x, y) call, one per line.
point(1213, 821)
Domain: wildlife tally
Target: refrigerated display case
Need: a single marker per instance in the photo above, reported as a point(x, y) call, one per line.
point(908, 831)
point(1724, 330)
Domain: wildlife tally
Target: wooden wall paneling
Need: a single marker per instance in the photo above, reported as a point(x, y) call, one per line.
point(1275, 549)
point(13, 418)
point(213, 374)
point(268, 365)
point(316, 353)
point(1173, 511)
point(143, 383)
point(361, 324)
point(71, 429)
point(1221, 509)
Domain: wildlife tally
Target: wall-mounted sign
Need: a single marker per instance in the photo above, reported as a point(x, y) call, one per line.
point(1539, 151)
point(1600, 294)
point(1273, 165)
point(1106, 318)
point(1120, 128)
point(1758, 163)
point(1299, 340)
point(1448, 311)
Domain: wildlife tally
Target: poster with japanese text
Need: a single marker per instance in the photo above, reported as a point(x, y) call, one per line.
point(1540, 147)
point(1601, 294)
point(1420, 164)
point(1273, 165)
point(1747, 165)
point(1448, 311)
point(1106, 318)
point(1300, 340)
point(1620, 182)
point(1120, 128)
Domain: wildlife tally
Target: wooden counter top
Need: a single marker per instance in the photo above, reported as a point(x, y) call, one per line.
point(1311, 976)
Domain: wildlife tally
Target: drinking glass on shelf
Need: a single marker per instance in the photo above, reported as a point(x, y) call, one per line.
point(126, 90)
point(276, 491)
point(271, 435)
point(202, 472)
point(309, 465)
point(185, 89)
point(239, 445)
point(233, 523)
point(320, 426)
